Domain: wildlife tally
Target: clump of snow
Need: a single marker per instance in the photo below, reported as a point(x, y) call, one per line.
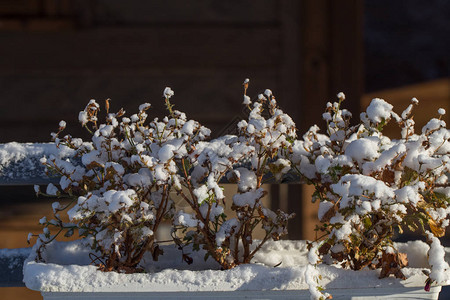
point(432, 125)
point(379, 110)
point(51, 189)
point(268, 93)
point(246, 179)
point(416, 252)
point(83, 117)
point(313, 256)
point(324, 207)
point(352, 185)
point(144, 106)
point(168, 92)
point(362, 150)
point(201, 193)
point(166, 152)
point(185, 219)
point(226, 230)
point(248, 198)
point(439, 267)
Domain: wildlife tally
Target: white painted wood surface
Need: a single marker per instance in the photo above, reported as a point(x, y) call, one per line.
point(354, 294)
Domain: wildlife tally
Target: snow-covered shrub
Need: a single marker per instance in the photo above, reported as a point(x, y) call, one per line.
point(121, 183)
point(245, 160)
point(370, 186)
point(123, 179)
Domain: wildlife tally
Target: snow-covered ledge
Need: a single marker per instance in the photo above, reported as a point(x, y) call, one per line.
point(11, 266)
point(20, 162)
point(68, 275)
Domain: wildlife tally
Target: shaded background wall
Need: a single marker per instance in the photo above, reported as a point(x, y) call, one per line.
point(405, 42)
point(56, 55)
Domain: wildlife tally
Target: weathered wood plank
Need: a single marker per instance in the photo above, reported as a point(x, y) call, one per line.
point(181, 11)
point(315, 58)
point(143, 13)
point(331, 53)
point(310, 212)
point(346, 52)
point(19, 7)
point(290, 77)
point(332, 56)
point(140, 48)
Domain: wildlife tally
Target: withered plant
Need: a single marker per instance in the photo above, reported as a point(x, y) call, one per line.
point(245, 159)
point(371, 187)
point(120, 182)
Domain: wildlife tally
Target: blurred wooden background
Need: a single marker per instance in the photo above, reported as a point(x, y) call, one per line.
point(55, 55)
point(58, 55)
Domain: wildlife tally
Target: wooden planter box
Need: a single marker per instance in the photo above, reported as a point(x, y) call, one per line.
point(67, 275)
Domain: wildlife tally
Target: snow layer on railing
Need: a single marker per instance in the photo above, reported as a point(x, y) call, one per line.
point(14, 257)
point(11, 265)
point(20, 162)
